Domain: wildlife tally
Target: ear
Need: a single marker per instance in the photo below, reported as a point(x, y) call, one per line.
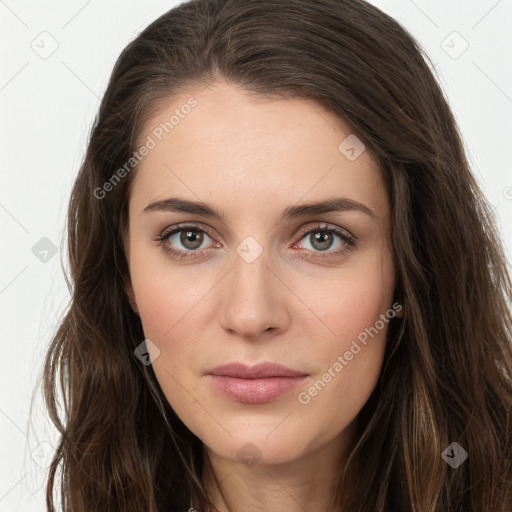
point(399, 309)
point(398, 298)
point(128, 288)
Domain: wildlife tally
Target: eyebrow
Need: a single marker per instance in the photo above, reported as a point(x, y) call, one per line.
point(334, 204)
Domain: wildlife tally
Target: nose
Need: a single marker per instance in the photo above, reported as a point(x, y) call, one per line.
point(254, 299)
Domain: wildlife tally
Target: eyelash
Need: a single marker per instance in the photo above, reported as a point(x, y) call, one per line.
point(348, 240)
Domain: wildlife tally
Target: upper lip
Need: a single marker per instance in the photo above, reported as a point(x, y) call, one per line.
point(260, 370)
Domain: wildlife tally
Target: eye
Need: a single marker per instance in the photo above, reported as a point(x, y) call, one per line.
point(190, 237)
point(322, 238)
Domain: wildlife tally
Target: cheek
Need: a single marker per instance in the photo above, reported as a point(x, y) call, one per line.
point(349, 302)
point(170, 304)
point(167, 298)
point(167, 320)
point(349, 367)
point(357, 310)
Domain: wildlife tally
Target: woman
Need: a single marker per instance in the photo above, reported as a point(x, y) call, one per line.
point(288, 290)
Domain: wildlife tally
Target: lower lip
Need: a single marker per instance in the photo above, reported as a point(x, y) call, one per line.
point(255, 391)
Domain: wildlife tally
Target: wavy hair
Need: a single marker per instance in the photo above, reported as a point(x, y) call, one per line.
point(447, 370)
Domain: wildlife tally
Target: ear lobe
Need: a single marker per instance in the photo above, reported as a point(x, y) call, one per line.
point(131, 296)
point(399, 312)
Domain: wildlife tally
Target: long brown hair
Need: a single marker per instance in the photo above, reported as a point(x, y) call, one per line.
point(447, 372)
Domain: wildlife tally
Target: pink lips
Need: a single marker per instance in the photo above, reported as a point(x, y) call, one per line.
point(256, 384)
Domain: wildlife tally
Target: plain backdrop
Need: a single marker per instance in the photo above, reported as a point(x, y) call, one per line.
point(56, 58)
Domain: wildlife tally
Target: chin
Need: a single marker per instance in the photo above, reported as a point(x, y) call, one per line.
point(265, 439)
point(253, 449)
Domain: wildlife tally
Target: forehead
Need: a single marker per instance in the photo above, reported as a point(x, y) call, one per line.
point(253, 152)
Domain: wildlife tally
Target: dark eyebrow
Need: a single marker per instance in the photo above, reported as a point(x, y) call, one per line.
point(335, 204)
point(175, 204)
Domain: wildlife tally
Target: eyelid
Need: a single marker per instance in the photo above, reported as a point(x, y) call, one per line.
point(183, 226)
point(347, 238)
point(300, 233)
point(320, 226)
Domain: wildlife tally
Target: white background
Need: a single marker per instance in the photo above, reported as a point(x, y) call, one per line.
point(47, 108)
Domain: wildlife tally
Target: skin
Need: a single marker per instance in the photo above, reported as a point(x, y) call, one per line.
point(251, 157)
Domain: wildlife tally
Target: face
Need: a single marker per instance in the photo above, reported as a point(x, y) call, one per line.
point(252, 278)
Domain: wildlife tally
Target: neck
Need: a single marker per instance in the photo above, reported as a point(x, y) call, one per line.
point(306, 483)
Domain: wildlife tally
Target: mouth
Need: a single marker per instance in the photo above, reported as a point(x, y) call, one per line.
point(256, 384)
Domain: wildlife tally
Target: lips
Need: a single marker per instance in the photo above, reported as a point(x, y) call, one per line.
point(261, 383)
